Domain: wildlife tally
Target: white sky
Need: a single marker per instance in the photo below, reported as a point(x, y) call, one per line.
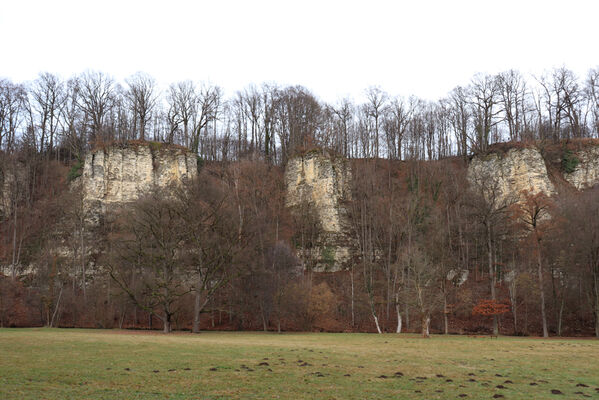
point(334, 48)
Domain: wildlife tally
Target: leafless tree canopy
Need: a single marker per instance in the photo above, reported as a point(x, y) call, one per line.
point(272, 122)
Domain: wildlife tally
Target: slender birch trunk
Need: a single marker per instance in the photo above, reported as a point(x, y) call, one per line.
point(540, 276)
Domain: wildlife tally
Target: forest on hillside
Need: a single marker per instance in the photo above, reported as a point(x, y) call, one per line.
point(223, 253)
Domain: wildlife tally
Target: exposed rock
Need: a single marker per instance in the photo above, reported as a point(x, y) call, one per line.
point(6, 180)
point(506, 176)
point(509, 276)
point(458, 276)
point(322, 183)
point(12, 178)
point(586, 172)
point(120, 174)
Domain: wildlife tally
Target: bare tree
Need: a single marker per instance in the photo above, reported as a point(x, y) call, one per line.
point(490, 207)
point(375, 106)
point(344, 114)
point(141, 98)
point(402, 111)
point(48, 99)
point(533, 214)
point(580, 228)
point(211, 239)
point(424, 283)
point(145, 247)
point(298, 115)
point(365, 225)
point(512, 91)
point(484, 98)
point(561, 97)
point(95, 99)
point(13, 98)
point(72, 132)
point(573, 102)
point(592, 92)
point(460, 116)
point(181, 99)
point(253, 104)
point(205, 107)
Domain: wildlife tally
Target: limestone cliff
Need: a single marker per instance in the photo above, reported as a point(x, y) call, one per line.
point(586, 172)
point(504, 176)
point(318, 186)
point(321, 184)
point(121, 173)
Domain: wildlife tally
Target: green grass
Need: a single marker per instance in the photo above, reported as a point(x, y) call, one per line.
point(91, 364)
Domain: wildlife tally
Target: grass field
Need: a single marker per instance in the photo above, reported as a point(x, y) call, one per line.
point(96, 364)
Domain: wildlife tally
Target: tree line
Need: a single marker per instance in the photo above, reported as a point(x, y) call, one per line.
point(50, 114)
point(435, 247)
point(431, 251)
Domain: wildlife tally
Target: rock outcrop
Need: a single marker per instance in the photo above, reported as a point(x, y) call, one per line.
point(505, 176)
point(322, 184)
point(6, 183)
point(586, 171)
point(119, 174)
point(318, 186)
point(13, 176)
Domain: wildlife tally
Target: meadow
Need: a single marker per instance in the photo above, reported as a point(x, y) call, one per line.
point(104, 364)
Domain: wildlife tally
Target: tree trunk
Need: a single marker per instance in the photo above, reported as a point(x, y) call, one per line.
point(540, 274)
point(373, 311)
point(353, 315)
point(196, 312)
point(376, 321)
point(167, 324)
point(264, 324)
point(560, 316)
point(263, 317)
point(14, 243)
point(491, 275)
point(398, 330)
point(426, 321)
point(596, 299)
point(445, 312)
point(512, 292)
point(83, 274)
point(397, 307)
point(556, 300)
point(407, 314)
point(56, 308)
point(122, 319)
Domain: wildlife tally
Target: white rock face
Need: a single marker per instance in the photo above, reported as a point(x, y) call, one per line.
point(458, 276)
point(9, 181)
point(120, 174)
point(324, 183)
point(508, 175)
point(6, 183)
point(586, 173)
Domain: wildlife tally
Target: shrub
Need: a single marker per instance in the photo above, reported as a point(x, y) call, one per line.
point(569, 161)
point(155, 146)
point(75, 171)
point(328, 256)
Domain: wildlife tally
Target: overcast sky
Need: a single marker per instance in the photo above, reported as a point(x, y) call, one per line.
point(334, 48)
